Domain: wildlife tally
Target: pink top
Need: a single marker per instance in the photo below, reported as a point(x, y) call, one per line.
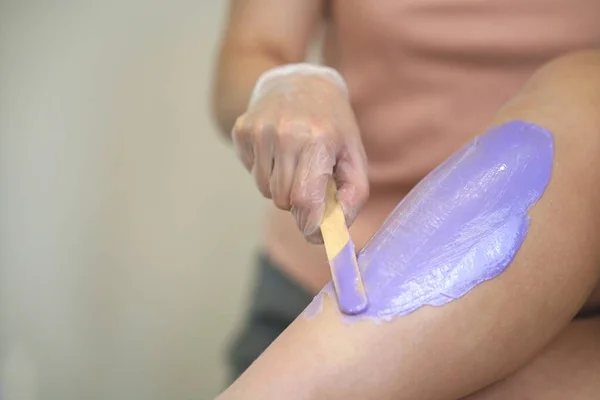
point(424, 77)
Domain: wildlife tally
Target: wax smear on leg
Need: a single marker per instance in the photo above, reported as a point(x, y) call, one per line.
point(459, 227)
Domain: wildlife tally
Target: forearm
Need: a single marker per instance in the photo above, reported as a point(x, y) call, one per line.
point(259, 35)
point(450, 351)
point(237, 73)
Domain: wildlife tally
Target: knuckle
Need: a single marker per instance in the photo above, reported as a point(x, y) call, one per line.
point(293, 130)
point(300, 200)
point(242, 134)
point(282, 201)
point(240, 127)
point(250, 126)
point(323, 127)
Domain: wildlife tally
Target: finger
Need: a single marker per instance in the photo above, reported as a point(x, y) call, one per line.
point(282, 177)
point(351, 175)
point(302, 217)
point(242, 142)
point(263, 163)
point(315, 166)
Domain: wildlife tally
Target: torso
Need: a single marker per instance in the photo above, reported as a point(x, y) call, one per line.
point(424, 77)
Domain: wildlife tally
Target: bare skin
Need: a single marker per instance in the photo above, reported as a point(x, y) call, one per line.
point(260, 35)
point(266, 33)
point(501, 326)
point(567, 369)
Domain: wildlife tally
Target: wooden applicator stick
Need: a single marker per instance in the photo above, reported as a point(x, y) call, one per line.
point(346, 276)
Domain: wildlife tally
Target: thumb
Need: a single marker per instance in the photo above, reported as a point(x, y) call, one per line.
point(307, 198)
point(308, 221)
point(353, 183)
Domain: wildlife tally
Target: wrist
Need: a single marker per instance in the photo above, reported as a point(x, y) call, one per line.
point(300, 69)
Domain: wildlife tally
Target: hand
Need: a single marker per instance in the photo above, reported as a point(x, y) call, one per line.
point(298, 130)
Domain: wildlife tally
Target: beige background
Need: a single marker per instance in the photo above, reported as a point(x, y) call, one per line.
point(126, 225)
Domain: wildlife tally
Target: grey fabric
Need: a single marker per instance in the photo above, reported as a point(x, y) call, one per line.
point(275, 302)
point(588, 313)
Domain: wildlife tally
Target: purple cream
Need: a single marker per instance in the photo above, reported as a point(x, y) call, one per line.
point(350, 293)
point(460, 226)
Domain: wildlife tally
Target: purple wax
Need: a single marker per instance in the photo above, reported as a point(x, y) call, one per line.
point(459, 227)
point(346, 278)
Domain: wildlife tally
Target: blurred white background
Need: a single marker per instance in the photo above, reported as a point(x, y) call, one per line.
point(127, 227)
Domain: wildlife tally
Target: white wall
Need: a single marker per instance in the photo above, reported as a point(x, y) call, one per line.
point(126, 225)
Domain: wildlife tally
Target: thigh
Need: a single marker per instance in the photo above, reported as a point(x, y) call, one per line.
point(569, 368)
point(275, 302)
